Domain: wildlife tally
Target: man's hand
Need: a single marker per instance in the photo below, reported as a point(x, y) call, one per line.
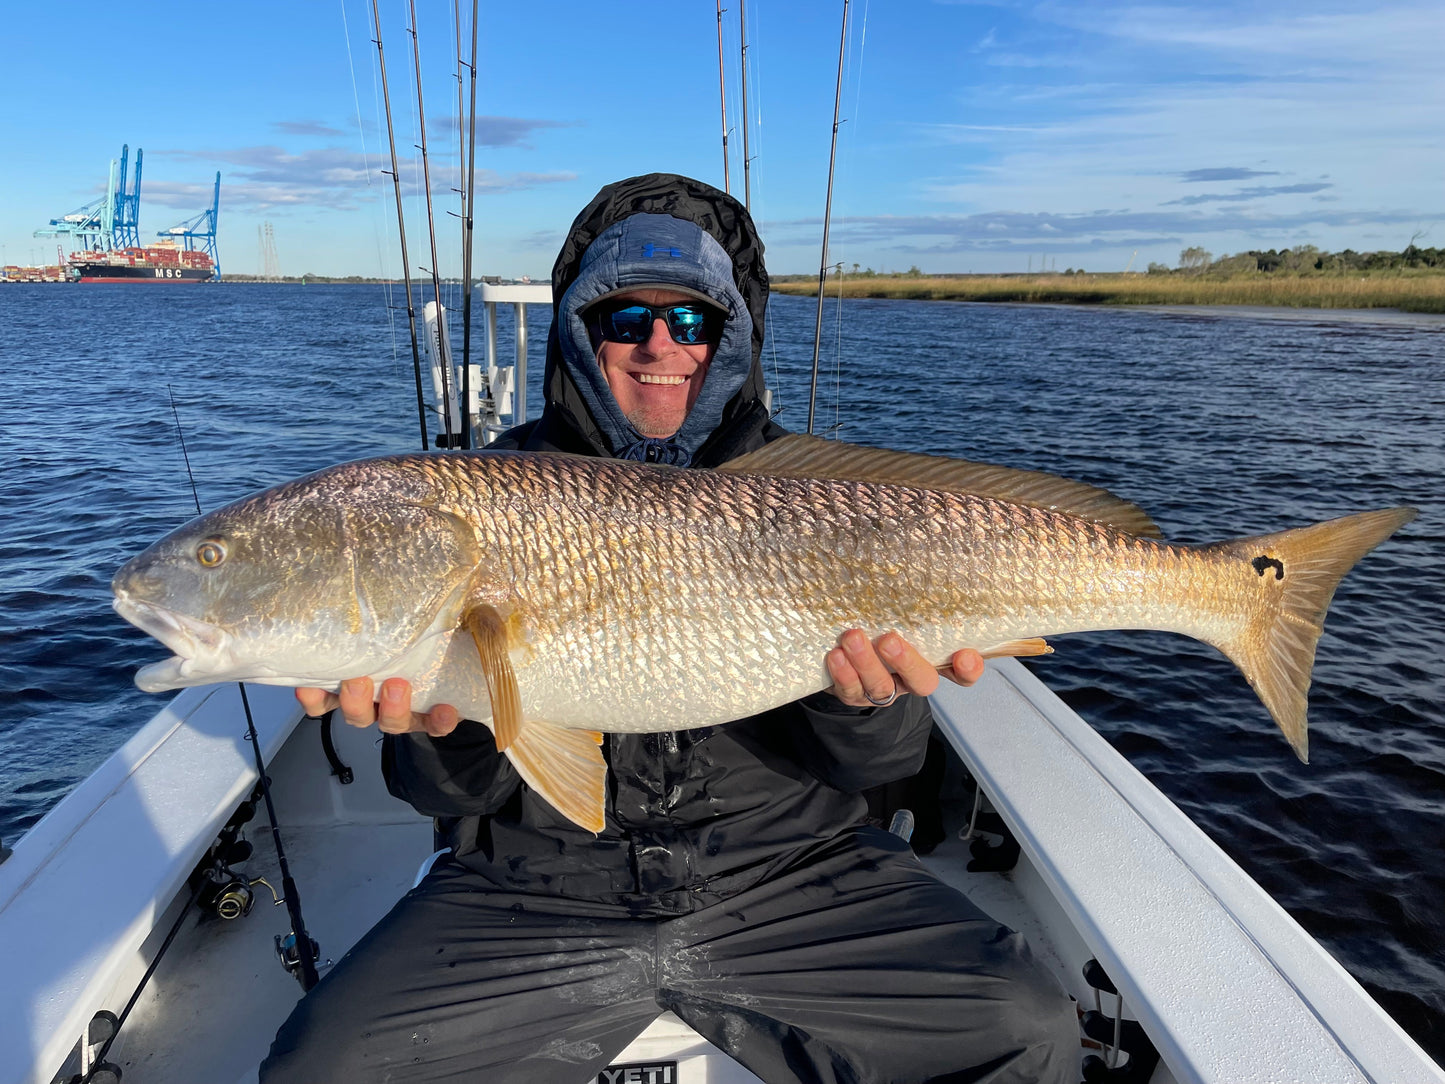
point(867, 674)
point(360, 707)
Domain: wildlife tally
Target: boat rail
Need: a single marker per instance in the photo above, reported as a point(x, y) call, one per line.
point(506, 403)
point(1226, 984)
point(496, 392)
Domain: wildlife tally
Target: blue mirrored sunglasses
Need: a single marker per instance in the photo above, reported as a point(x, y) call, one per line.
point(631, 322)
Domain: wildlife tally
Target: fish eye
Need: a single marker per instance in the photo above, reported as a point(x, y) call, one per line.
point(211, 552)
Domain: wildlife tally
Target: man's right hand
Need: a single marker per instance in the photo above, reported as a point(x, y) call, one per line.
point(361, 707)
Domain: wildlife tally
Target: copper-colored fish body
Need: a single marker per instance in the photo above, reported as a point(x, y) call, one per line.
point(551, 594)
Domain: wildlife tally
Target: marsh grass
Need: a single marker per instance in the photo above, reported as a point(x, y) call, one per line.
point(1410, 291)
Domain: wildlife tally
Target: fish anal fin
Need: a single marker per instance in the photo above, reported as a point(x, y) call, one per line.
point(565, 767)
point(1020, 648)
point(801, 456)
point(489, 632)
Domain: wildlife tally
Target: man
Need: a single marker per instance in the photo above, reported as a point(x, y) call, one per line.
point(736, 881)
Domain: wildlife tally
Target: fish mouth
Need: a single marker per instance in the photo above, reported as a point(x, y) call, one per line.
point(201, 650)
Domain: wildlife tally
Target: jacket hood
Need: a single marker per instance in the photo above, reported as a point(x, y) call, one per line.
point(626, 238)
point(648, 250)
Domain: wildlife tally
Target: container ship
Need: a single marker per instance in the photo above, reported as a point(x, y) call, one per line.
point(162, 262)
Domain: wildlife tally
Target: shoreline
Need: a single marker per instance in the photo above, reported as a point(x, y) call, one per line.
point(1380, 315)
point(1411, 293)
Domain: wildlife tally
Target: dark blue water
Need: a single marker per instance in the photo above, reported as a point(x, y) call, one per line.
point(1218, 424)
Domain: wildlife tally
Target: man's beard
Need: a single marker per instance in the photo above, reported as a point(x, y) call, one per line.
point(658, 423)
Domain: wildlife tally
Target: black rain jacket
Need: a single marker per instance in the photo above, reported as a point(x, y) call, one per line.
point(693, 816)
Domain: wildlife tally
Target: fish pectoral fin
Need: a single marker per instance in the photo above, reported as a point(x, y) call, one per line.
point(798, 455)
point(489, 632)
point(564, 766)
point(1031, 646)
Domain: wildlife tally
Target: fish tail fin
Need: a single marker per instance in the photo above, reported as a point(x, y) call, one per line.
point(1299, 570)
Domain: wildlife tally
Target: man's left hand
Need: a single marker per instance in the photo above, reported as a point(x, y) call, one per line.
point(867, 674)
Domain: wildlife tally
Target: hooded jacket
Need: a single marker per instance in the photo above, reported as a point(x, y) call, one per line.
point(651, 250)
point(567, 422)
point(693, 816)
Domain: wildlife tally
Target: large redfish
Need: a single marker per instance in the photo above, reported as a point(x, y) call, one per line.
point(555, 597)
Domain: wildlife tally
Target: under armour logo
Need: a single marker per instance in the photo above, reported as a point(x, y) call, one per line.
point(650, 250)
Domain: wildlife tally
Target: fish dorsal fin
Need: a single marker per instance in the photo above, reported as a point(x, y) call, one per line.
point(489, 631)
point(800, 456)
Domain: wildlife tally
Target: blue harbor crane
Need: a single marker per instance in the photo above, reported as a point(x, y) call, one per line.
point(201, 228)
point(113, 221)
point(126, 232)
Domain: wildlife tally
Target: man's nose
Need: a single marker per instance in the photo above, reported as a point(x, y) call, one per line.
point(660, 339)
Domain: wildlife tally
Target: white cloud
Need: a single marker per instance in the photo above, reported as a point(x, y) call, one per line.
point(1147, 98)
point(267, 177)
point(1399, 34)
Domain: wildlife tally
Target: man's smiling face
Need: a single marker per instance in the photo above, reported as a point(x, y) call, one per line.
point(655, 382)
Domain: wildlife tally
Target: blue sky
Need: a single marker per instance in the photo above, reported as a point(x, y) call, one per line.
point(983, 136)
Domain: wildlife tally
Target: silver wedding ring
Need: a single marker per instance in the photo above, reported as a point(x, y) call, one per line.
point(892, 696)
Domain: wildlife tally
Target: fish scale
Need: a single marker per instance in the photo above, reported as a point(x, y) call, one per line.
point(803, 558)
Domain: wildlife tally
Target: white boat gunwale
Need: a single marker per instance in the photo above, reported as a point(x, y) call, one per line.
point(1260, 999)
point(85, 887)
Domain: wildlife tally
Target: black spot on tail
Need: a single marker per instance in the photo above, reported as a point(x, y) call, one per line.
point(1262, 563)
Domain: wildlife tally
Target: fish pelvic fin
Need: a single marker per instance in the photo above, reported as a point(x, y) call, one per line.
point(1300, 569)
point(489, 632)
point(565, 767)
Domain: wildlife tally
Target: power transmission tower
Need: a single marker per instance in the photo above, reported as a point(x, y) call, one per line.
point(270, 263)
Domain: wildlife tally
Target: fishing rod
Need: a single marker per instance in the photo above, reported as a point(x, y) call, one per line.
point(395, 175)
point(722, 93)
point(827, 215)
point(747, 158)
point(441, 357)
point(470, 189)
point(461, 188)
point(297, 951)
point(104, 1027)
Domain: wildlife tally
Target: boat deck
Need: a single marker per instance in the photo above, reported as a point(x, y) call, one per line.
point(219, 995)
point(211, 1009)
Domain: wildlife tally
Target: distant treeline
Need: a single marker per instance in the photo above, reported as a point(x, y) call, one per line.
point(309, 277)
point(1302, 260)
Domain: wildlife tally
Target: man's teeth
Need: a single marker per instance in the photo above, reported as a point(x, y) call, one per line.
point(651, 378)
